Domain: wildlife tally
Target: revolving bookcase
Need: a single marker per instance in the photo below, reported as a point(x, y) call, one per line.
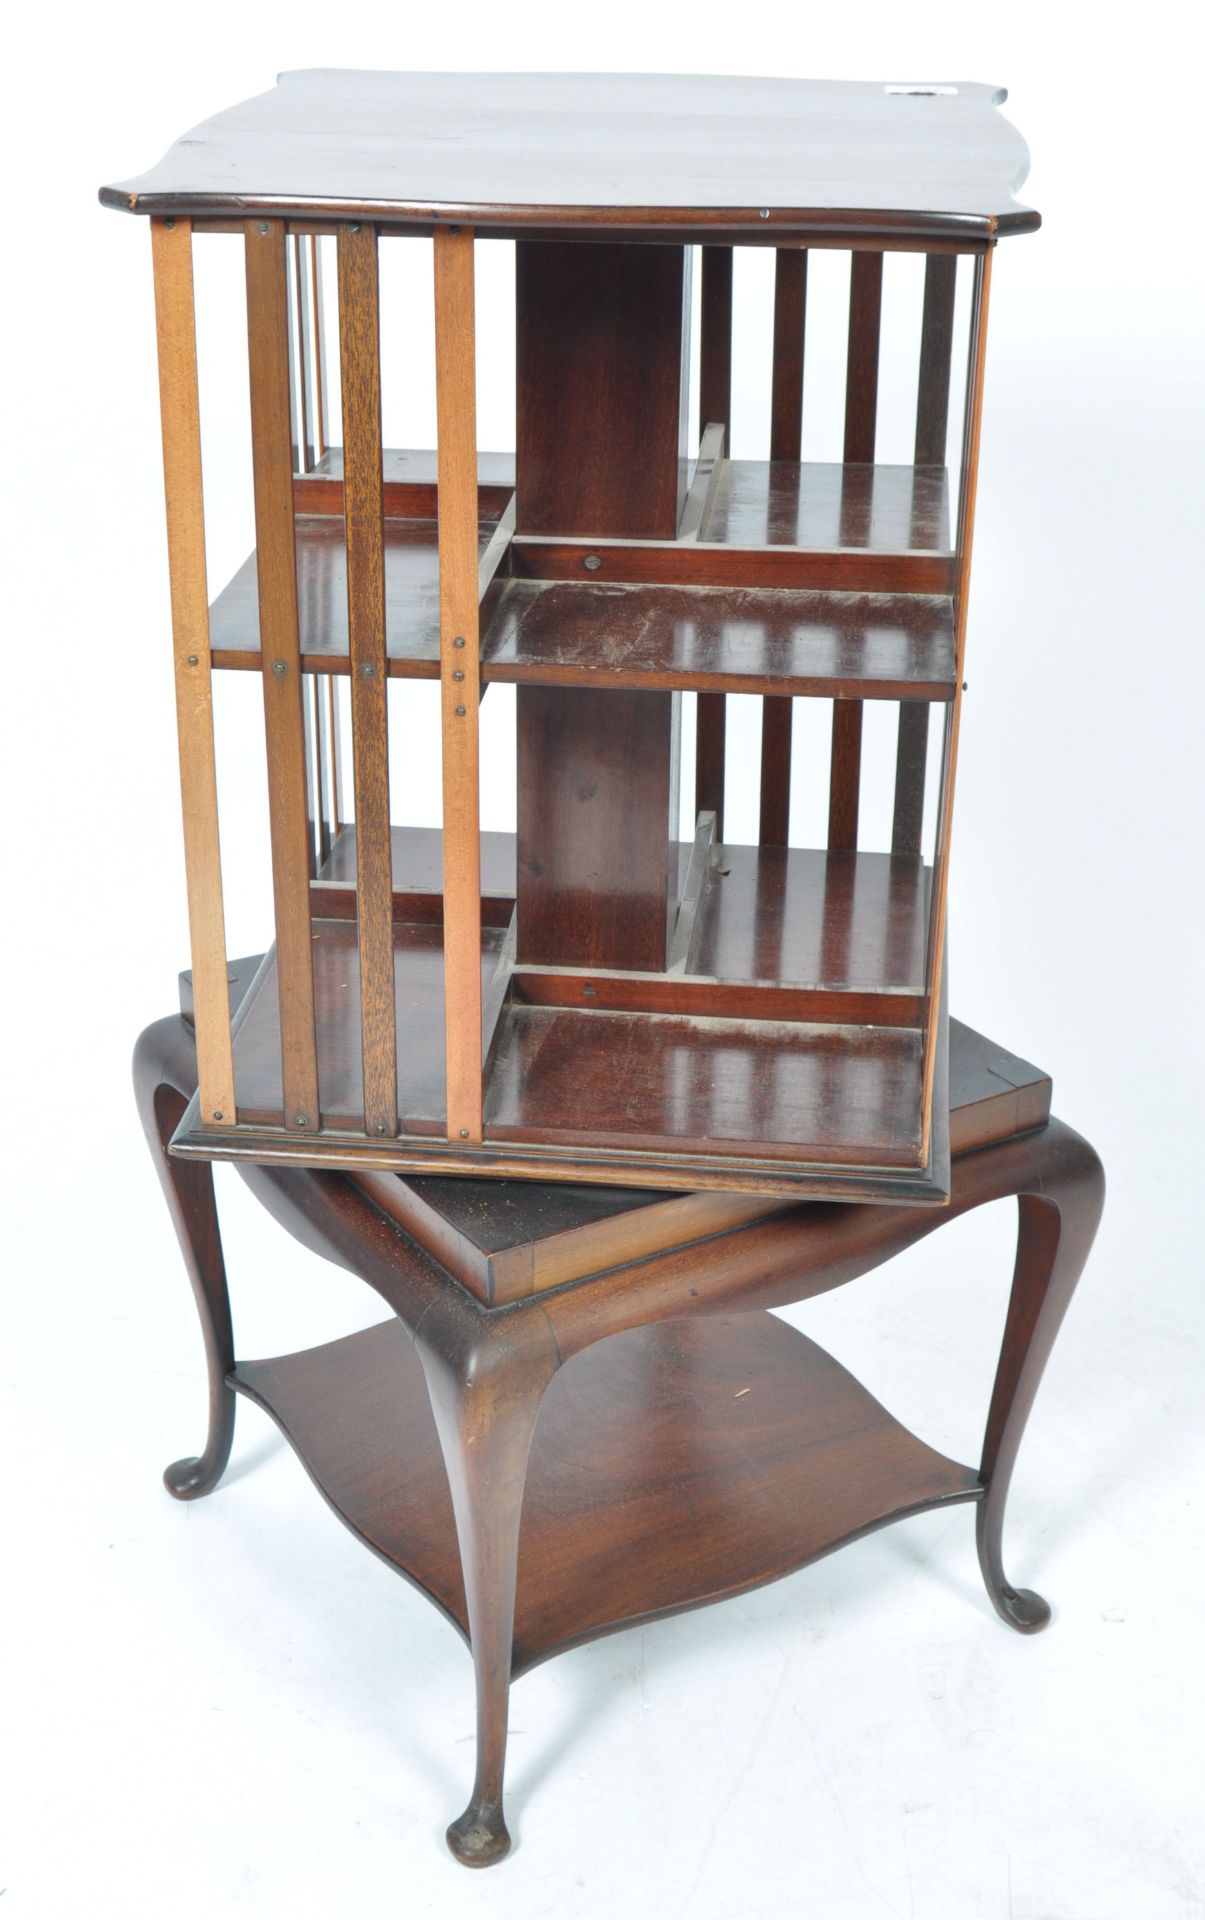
point(509, 1066)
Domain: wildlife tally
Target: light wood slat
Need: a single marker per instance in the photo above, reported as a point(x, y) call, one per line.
point(775, 817)
point(936, 348)
point(786, 394)
point(276, 566)
point(911, 755)
point(845, 775)
point(715, 339)
point(360, 372)
point(171, 248)
point(972, 424)
point(456, 408)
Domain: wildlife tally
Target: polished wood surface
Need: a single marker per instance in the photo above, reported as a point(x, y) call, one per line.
point(707, 1088)
point(829, 158)
point(768, 1454)
point(743, 640)
point(825, 504)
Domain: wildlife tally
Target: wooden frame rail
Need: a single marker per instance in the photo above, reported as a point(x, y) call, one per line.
point(460, 688)
point(179, 400)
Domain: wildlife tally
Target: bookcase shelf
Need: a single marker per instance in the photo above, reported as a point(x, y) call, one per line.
point(601, 631)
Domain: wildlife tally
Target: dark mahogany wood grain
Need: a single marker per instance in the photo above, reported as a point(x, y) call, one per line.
point(820, 504)
point(601, 390)
point(834, 158)
point(845, 1095)
point(597, 826)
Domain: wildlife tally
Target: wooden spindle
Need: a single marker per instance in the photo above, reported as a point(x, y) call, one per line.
point(276, 564)
point(312, 783)
point(318, 324)
point(363, 505)
point(971, 427)
point(175, 318)
point(715, 407)
point(322, 765)
point(305, 347)
point(336, 815)
point(456, 409)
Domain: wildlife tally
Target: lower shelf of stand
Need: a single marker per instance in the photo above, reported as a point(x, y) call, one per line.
point(672, 1466)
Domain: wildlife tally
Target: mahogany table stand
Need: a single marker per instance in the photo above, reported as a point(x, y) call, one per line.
point(785, 1454)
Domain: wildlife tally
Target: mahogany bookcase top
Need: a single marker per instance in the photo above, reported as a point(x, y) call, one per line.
point(922, 161)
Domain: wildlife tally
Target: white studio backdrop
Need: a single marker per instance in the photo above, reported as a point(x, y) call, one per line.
point(232, 1709)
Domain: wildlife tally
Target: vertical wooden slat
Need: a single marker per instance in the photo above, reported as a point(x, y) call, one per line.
point(318, 323)
point(911, 754)
point(786, 441)
point(715, 340)
point(715, 406)
point(862, 356)
point(276, 567)
point(456, 408)
point(861, 411)
point(363, 503)
point(312, 783)
point(775, 818)
point(786, 392)
point(710, 728)
point(845, 774)
point(972, 423)
point(171, 247)
point(932, 420)
point(316, 723)
point(936, 347)
point(305, 348)
point(334, 725)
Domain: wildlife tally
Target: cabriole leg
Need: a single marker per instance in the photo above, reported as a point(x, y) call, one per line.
point(161, 1061)
point(1056, 1230)
point(485, 1396)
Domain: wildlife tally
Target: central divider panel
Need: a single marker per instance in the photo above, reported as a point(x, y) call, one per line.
point(602, 386)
